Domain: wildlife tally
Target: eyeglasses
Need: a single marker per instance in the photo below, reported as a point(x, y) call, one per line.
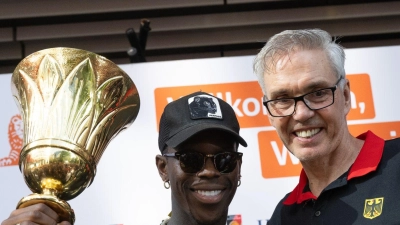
point(193, 162)
point(315, 100)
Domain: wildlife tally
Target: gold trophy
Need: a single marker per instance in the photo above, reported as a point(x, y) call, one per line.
point(73, 103)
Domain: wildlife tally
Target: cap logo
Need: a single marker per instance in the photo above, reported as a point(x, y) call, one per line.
point(204, 106)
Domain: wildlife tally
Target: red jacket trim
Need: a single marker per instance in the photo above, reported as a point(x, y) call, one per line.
point(367, 161)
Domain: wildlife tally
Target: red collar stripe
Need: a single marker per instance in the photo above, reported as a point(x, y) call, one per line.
point(369, 157)
point(367, 161)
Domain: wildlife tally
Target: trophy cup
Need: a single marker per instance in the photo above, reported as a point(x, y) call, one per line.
point(73, 103)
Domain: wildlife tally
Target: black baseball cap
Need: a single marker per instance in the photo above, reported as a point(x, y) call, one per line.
point(193, 113)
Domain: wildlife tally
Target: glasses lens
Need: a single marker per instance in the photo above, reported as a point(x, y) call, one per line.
point(319, 99)
point(225, 162)
point(191, 162)
point(281, 107)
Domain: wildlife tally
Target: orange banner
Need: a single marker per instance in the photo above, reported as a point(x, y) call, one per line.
point(246, 99)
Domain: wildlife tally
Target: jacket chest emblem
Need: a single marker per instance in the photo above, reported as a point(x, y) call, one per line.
point(373, 208)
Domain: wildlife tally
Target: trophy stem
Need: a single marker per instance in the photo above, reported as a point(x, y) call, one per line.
point(62, 208)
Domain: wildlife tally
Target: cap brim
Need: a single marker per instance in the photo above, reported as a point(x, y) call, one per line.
point(185, 134)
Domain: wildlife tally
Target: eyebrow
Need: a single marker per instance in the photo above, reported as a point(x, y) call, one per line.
point(309, 87)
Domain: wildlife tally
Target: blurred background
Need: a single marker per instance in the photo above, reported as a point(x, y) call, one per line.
point(159, 30)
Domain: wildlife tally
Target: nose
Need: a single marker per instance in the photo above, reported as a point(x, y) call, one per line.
point(302, 112)
point(209, 169)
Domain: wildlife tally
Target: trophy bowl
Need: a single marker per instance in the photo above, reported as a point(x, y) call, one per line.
point(73, 103)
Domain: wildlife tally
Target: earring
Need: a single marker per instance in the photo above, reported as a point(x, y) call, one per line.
point(167, 185)
point(239, 183)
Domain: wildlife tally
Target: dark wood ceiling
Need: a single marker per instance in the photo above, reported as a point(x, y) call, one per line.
point(185, 29)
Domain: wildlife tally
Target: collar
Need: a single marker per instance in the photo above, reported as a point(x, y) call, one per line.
point(367, 161)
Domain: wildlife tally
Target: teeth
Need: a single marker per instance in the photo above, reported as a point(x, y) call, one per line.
point(307, 133)
point(209, 193)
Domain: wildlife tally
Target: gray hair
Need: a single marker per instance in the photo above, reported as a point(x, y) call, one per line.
point(288, 41)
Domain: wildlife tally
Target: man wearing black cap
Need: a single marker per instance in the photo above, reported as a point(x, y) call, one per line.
point(198, 139)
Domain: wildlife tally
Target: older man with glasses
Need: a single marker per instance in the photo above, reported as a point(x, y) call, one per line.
point(345, 179)
point(198, 140)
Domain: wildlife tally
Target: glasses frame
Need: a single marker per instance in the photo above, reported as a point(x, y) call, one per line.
point(205, 156)
point(301, 98)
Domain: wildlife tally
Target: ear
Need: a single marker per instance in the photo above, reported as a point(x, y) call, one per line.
point(347, 97)
point(161, 163)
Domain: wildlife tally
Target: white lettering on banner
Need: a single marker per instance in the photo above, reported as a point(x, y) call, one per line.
point(245, 105)
point(241, 108)
point(256, 104)
point(362, 107)
point(228, 99)
point(354, 103)
point(281, 156)
point(218, 94)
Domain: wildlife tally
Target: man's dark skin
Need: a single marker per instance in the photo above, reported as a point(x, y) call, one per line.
point(190, 206)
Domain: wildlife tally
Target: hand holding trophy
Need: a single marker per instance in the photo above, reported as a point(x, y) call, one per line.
point(73, 103)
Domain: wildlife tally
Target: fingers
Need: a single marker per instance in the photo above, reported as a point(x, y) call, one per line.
point(39, 214)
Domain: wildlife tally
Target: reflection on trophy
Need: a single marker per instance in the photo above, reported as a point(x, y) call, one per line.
point(73, 103)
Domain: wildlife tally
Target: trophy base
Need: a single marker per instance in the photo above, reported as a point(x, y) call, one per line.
point(62, 208)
